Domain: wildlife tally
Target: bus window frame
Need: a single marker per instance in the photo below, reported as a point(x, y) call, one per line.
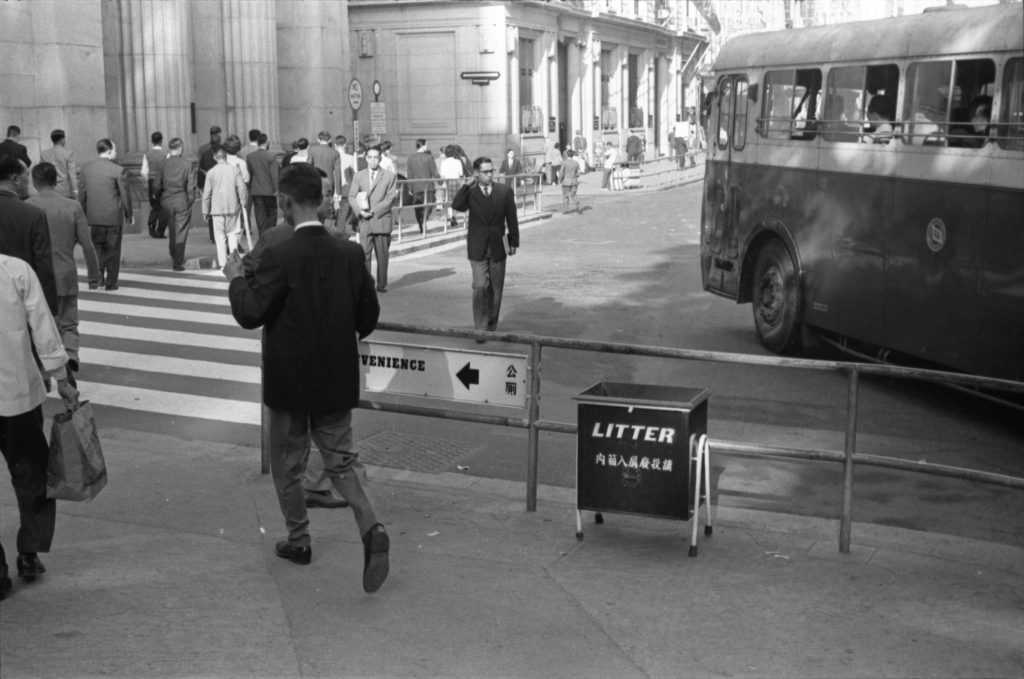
point(739, 131)
point(725, 99)
point(851, 130)
point(1004, 124)
point(912, 106)
point(788, 129)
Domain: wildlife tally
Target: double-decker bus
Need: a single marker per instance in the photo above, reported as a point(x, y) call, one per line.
point(865, 182)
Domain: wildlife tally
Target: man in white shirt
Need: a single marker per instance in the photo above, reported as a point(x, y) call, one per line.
point(611, 157)
point(27, 323)
point(450, 170)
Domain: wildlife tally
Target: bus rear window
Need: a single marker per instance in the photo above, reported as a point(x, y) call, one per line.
point(1011, 113)
point(791, 104)
point(942, 99)
point(848, 95)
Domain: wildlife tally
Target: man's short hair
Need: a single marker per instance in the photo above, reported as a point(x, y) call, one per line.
point(449, 151)
point(215, 130)
point(385, 145)
point(44, 175)
point(420, 143)
point(262, 139)
point(233, 145)
point(215, 139)
point(323, 135)
point(570, 153)
point(302, 143)
point(254, 135)
point(156, 137)
point(301, 182)
point(104, 145)
point(219, 152)
point(57, 135)
point(480, 161)
point(340, 140)
point(13, 131)
point(361, 148)
point(10, 166)
point(376, 147)
point(175, 144)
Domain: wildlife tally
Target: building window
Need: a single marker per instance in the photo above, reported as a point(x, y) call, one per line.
point(636, 112)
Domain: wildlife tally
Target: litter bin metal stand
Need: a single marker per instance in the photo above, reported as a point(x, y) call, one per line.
point(642, 449)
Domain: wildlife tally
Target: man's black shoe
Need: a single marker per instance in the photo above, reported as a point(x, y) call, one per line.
point(5, 582)
point(115, 286)
point(30, 567)
point(376, 545)
point(299, 555)
point(178, 268)
point(324, 499)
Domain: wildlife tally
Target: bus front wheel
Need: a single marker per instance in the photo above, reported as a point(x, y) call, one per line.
point(776, 299)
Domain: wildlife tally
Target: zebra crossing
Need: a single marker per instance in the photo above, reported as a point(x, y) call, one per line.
point(165, 344)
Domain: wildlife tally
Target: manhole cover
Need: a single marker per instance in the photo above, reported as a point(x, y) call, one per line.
point(415, 453)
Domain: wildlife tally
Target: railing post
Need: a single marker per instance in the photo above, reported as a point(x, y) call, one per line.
point(533, 438)
point(850, 448)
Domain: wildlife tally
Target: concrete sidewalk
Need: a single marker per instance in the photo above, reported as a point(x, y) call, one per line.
point(140, 250)
point(170, 573)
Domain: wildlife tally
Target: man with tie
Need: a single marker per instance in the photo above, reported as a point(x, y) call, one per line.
point(372, 196)
point(492, 211)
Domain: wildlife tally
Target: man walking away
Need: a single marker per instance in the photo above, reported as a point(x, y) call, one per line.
point(152, 161)
point(569, 177)
point(107, 204)
point(422, 167)
point(323, 157)
point(66, 223)
point(264, 172)
point(315, 297)
point(176, 183)
point(11, 146)
point(451, 172)
point(223, 198)
point(492, 212)
point(23, 232)
point(64, 161)
point(254, 143)
point(372, 196)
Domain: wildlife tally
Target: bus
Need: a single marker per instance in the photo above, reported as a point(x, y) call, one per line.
point(865, 183)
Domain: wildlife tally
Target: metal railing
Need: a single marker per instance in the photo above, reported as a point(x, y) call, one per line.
point(848, 457)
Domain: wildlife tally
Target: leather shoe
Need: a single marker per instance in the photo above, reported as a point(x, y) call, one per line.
point(375, 563)
point(381, 289)
point(299, 555)
point(324, 499)
point(115, 286)
point(30, 567)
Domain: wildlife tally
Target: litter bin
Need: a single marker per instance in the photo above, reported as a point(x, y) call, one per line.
point(642, 449)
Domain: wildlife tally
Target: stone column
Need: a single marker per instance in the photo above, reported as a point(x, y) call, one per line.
point(249, 38)
point(147, 55)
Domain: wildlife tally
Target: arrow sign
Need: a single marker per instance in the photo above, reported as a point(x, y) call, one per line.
point(468, 376)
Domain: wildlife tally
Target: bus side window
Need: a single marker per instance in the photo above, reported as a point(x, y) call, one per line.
point(725, 102)
point(1011, 112)
point(791, 104)
point(942, 96)
point(739, 124)
point(848, 96)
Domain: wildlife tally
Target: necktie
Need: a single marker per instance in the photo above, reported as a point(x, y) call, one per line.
point(373, 177)
point(487, 191)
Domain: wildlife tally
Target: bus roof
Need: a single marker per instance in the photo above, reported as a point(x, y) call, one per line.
point(999, 28)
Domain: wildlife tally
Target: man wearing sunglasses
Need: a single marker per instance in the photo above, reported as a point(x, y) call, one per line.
point(492, 235)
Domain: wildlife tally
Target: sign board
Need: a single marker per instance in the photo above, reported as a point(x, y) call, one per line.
point(633, 449)
point(355, 94)
point(450, 374)
point(378, 117)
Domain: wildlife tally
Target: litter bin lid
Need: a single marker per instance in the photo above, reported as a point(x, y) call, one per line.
point(621, 393)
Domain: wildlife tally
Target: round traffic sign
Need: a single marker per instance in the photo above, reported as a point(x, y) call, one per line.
point(355, 94)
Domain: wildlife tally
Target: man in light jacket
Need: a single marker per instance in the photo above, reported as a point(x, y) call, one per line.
point(372, 196)
point(224, 194)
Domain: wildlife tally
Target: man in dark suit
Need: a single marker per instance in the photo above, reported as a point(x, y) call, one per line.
point(323, 156)
point(10, 146)
point(263, 171)
point(23, 230)
point(422, 166)
point(314, 295)
point(492, 211)
point(175, 183)
point(107, 204)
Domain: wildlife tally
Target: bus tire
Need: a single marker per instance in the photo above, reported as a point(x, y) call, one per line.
point(775, 297)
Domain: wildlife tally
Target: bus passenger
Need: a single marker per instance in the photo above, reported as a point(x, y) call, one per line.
point(880, 114)
point(973, 133)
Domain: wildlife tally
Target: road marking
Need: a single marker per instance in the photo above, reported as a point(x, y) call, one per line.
point(161, 403)
point(171, 337)
point(177, 315)
point(179, 281)
point(168, 365)
point(162, 295)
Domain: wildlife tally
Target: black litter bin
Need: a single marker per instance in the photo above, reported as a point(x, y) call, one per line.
point(642, 449)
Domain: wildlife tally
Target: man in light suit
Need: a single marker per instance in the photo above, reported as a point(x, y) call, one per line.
point(107, 204)
point(64, 160)
point(264, 172)
point(314, 296)
point(372, 196)
point(224, 196)
point(492, 211)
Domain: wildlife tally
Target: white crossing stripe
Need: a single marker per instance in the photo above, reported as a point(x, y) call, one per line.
point(168, 365)
point(140, 311)
point(173, 405)
point(216, 282)
point(164, 295)
point(174, 338)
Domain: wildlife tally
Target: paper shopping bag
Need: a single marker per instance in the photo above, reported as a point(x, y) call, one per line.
point(76, 471)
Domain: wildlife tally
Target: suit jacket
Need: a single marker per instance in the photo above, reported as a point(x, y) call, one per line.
point(24, 234)
point(224, 193)
point(489, 217)
point(11, 147)
point(421, 165)
point(67, 170)
point(104, 193)
point(382, 196)
point(315, 297)
point(67, 227)
point(515, 168)
point(324, 157)
point(175, 182)
point(264, 172)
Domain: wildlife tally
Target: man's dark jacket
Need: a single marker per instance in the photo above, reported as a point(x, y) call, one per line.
point(489, 216)
point(314, 295)
point(25, 235)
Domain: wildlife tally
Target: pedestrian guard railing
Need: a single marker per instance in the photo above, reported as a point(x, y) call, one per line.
point(848, 458)
point(657, 172)
point(437, 196)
